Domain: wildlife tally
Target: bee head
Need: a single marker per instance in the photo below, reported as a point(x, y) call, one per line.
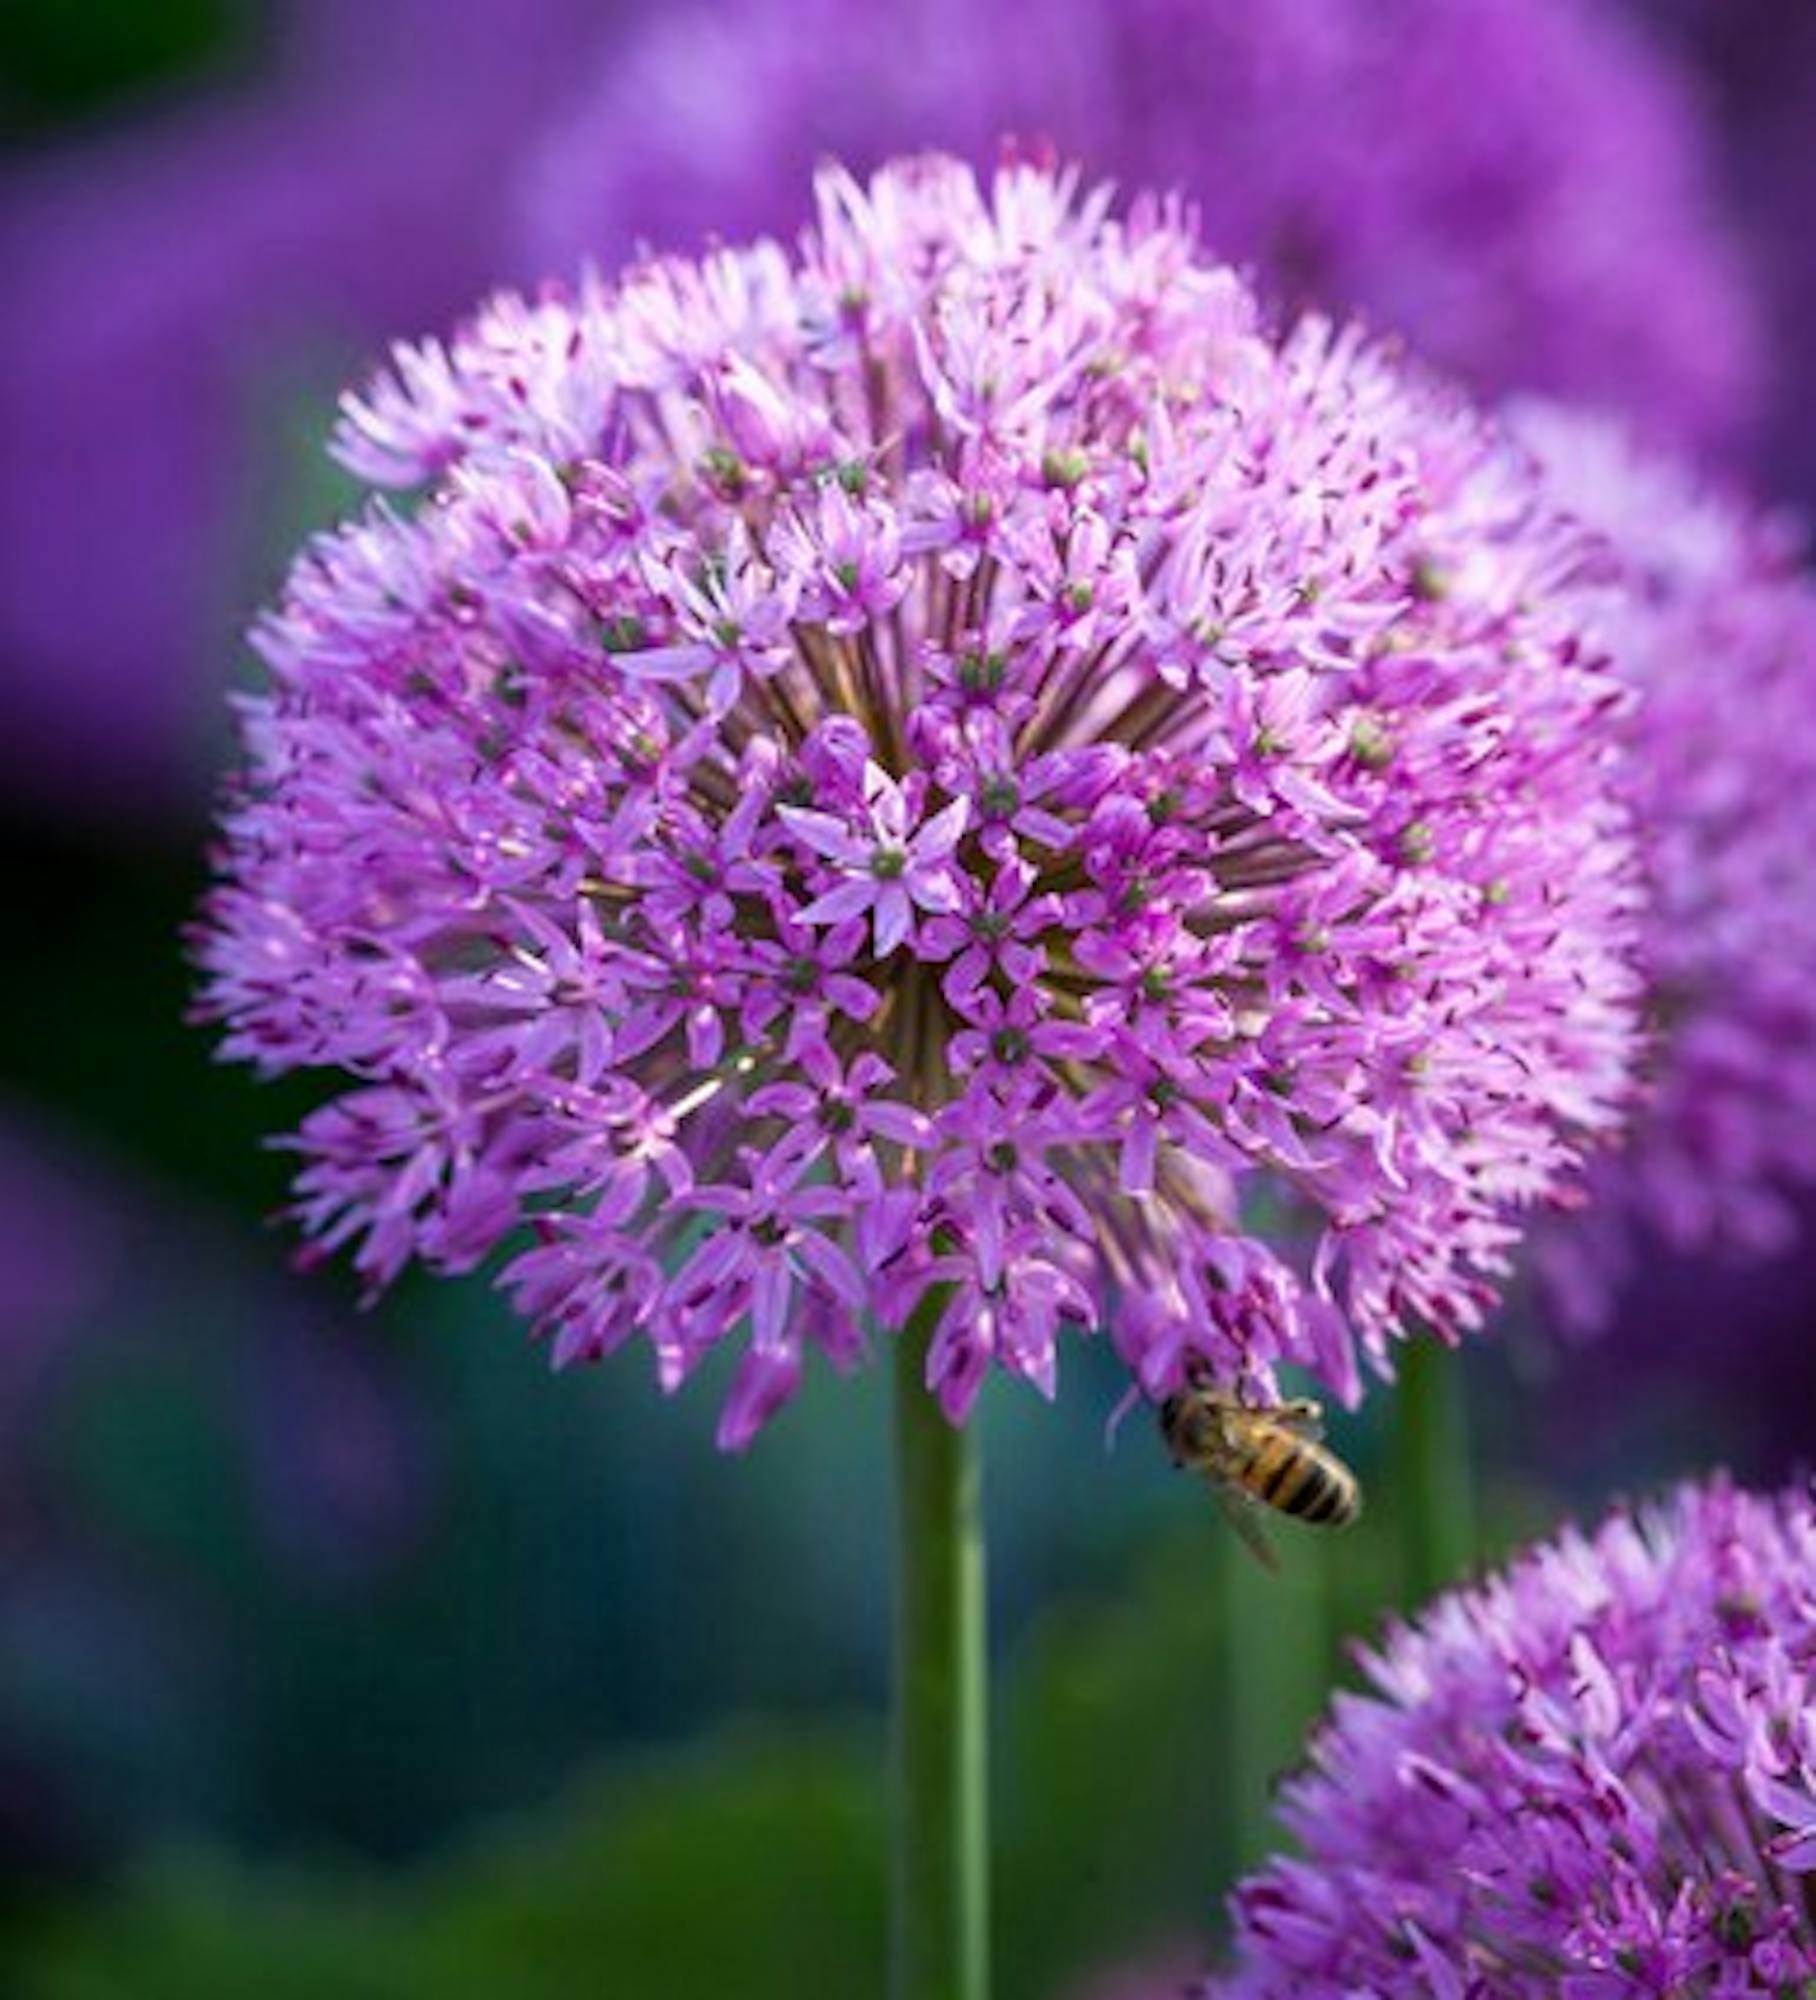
point(1188, 1424)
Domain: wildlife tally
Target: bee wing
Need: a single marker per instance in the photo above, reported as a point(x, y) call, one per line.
point(1302, 1417)
point(1244, 1515)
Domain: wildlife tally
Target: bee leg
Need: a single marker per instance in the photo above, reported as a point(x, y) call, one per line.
point(1113, 1423)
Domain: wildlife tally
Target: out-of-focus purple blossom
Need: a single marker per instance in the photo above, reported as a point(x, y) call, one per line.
point(948, 759)
point(1513, 182)
point(1593, 1417)
point(96, 1268)
point(1164, 1969)
point(1755, 66)
point(338, 1463)
point(60, 1255)
point(58, 1248)
point(1708, 615)
point(172, 281)
point(1518, 185)
point(1593, 1776)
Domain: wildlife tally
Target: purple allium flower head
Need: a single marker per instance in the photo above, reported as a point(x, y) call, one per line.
point(1517, 185)
point(1706, 612)
point(1592, 1776)
point(939, 762)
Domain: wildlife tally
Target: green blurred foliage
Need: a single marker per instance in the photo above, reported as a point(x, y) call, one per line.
point(753, 1859)
point(61, 62)
point(755, 1872)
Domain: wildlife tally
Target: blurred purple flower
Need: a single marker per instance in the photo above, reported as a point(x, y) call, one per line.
point(1755, 65)
point(338, 1463)
point(619, 819)
point(59, 1248)
point(1517, 185)
point(181, 272)
point(1593, 1776)
point(1165, 1969)
point(1708, 615)
point(1511, 182)
point(97, 1268)
point(1594, 1415)
point(60, 1252)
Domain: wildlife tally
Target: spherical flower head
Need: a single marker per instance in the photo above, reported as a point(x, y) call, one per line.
point(1519, 186)
point(943, 767)
point(1591, 1776)
point(1710, 619)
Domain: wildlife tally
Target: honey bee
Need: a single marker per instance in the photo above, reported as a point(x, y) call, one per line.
point(1260, 1456)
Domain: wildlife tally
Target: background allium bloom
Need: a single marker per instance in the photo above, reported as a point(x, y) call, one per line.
point(1755, 67)
point(1518, 185)
point(1707, 614)
point(1593, 1776)
point(932, 764)
point(348, 186)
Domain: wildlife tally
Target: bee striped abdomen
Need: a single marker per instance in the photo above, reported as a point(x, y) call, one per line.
point(1299, 1479)
point(1269, 1456)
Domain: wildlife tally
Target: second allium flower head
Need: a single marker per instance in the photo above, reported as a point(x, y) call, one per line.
point(939, 766)
point(1710, 616)
point(1590, 1778)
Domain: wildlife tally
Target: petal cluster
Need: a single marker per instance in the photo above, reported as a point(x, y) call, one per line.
point(1594, 1775)
point(949, 764)
point(1519, 186)
point(1711, 620)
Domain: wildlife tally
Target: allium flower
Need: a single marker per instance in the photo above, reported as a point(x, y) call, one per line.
point(1707, 615)
point(1518, 185)
point(1593, 1776)
point(933, 764)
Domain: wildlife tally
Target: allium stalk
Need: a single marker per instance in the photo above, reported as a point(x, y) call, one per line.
point(1433, 1477)
point(936, 781)
point(940, 1949)
point(1591, 1776)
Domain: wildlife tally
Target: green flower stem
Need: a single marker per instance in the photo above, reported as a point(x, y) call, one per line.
point(1432, 1470)
point(940, 1949)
